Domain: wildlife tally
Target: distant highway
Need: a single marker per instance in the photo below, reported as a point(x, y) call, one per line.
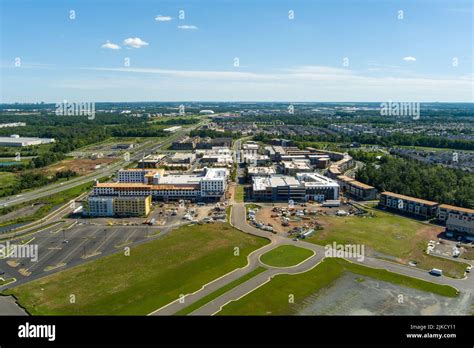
point(102, 172)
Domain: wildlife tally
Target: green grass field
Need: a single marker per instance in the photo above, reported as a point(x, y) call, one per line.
point(154, 274)
point(276, 292)
point(468, 254)
point(285, 256)
point(239, 194)
point(6, 281)
point(390, 234)
point(7, 180)
point(221, 291)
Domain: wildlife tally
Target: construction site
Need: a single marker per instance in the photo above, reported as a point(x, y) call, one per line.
point(297, 221)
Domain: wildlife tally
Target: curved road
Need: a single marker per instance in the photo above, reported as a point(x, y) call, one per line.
point(238, 220)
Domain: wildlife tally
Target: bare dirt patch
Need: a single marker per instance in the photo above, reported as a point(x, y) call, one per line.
point(310, 219)
point(355, 295)
point(81, 166)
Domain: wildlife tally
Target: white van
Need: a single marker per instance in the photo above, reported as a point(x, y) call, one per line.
point(436, 272)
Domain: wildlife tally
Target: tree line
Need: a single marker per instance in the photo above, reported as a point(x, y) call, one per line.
point(412, 178)
point(32, 179)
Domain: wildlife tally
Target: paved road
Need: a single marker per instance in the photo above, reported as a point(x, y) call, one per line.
point(238, 219)
point(209, 288)
point(103, 172)
point(9, 306)
point(236, 293)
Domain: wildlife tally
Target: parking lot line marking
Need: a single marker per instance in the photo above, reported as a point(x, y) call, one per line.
point(72, 252)
point(10, 282)
point(126, 241)
point(95, 253)
point(106, 239)
point(63, 262)
point(35, 264)
point(64, 228)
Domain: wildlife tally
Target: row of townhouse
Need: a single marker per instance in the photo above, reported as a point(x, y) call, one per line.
point(459, 221)
point(357, 189)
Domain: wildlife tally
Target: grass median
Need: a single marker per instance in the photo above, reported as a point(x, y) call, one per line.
point(239, 194)
point(286, 256)
point(198, 304)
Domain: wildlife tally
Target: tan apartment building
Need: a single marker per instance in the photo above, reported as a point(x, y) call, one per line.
point(408, 205)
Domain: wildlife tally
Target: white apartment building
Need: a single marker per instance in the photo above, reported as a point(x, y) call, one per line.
point(100, 206)
point(210, 184)
point(132, 175)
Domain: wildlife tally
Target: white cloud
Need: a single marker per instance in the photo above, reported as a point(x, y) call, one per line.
point(141, 84)
point(299, 83)
point(318, 70)
point(161, 18)
point(134, 42)
point(187, 27)
point(111, 46)
point(195, 74)
point(318, 78)
point(409, 59)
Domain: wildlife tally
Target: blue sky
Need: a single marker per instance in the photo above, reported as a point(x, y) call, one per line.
point(280, 59)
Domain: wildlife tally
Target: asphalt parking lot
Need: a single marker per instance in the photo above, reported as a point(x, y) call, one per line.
point(74, 241)
point(59, 249)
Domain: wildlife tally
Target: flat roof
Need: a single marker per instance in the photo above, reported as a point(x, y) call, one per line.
point(183, 155)
point(23, 139)
point(174, 179)
point(283, 180)
point(408, 198)
point(352, 181)
point(141, 169)
point(261, 170)
point(334, 169)
point(345, 178)
point(125, 185)
point(296, 165)
point(261, 183)
point(452, 207)
point(122, 185)
point(316, 180)
point(361, 185)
